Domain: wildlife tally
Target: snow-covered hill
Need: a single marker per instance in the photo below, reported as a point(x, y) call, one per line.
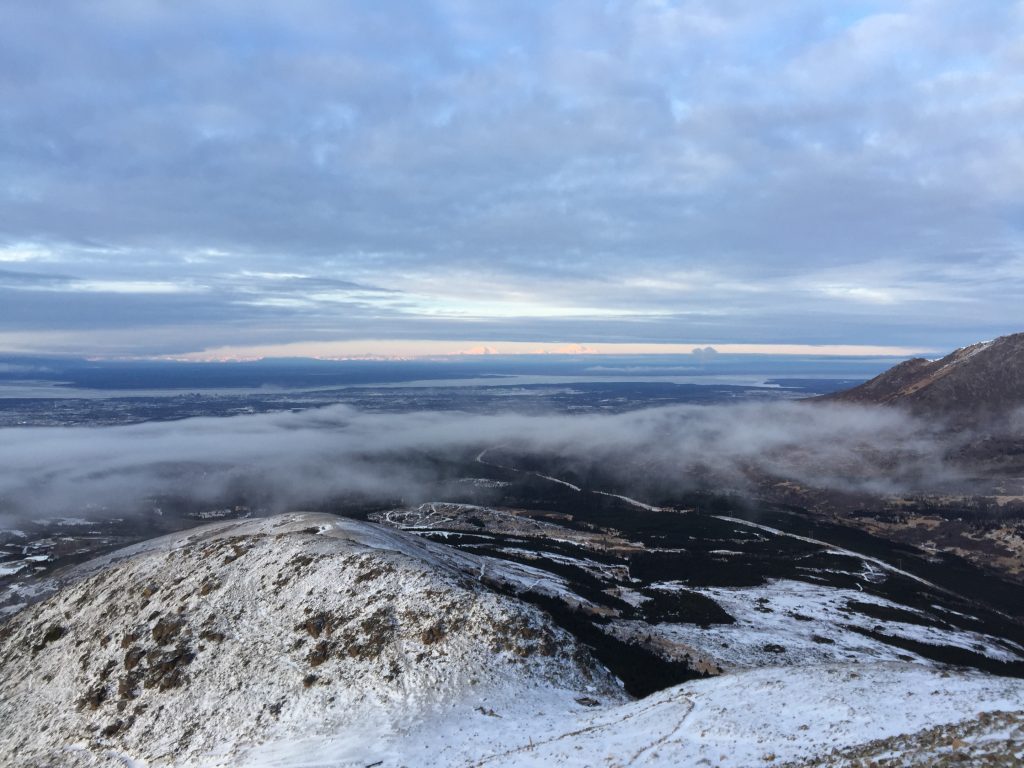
point(189, 648)
point(308, 640)
point(829, 715)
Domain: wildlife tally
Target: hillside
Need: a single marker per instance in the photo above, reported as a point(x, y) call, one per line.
point(984, 379)
point(190, 648)
point(309, 640)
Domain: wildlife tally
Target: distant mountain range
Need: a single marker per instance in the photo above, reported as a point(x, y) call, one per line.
point(983, 380)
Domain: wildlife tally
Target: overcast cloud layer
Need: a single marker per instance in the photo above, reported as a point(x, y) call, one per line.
point(181, 175)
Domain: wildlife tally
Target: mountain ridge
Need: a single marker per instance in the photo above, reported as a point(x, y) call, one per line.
point(982, 380)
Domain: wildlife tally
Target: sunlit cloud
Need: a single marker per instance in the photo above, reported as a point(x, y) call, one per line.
point(17, 254)
point(416, 348)
point(130, 286)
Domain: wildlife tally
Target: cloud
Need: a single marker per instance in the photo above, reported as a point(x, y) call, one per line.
point(569, 349)
point(288, 460)
point(822, 173)
point(704, 354)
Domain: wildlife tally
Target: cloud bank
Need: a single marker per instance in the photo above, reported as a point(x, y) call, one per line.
point(300, 458)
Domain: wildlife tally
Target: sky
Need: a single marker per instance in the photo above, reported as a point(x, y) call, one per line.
point(196, 178)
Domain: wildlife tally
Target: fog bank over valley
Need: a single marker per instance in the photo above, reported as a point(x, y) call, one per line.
point(294, 459)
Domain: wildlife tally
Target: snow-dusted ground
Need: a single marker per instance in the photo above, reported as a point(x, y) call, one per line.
point(874, 561)
point(186, 649)
point(766, 717)
point(438, 517)
point(782, 622)
point(308, 640)
point(9, 569)
point(638, 504)
point(787, 622)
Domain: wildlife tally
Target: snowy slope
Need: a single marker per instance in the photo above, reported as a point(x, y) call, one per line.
point(786, 622)
point(188, 648)
point(769, 717)
point(308, 640)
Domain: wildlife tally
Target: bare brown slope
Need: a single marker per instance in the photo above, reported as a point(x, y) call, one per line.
point(984, 379)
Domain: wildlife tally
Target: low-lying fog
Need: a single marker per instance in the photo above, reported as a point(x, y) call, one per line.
point(299, 458)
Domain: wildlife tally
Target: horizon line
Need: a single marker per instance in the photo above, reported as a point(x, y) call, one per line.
point(412, 349)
